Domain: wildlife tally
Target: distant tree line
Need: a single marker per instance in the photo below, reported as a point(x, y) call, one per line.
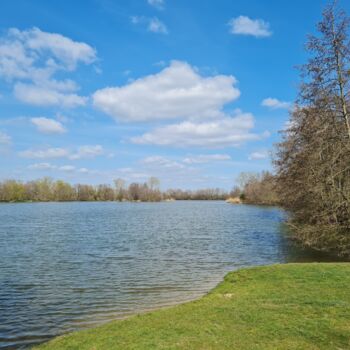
point(313, 160)
point(46, 189)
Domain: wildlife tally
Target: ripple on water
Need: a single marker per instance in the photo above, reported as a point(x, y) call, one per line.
point(67, 266)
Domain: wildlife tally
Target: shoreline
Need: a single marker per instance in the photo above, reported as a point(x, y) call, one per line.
point(254, 299)
point(116, 201)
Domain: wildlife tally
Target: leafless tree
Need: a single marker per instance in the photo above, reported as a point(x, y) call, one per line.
point(313, 160)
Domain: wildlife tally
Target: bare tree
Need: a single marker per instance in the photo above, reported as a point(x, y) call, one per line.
point(328, 71)
point(312, 161)
point(119, 185)
point(153, 183)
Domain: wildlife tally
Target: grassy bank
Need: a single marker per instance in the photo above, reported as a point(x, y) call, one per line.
point(293, 306)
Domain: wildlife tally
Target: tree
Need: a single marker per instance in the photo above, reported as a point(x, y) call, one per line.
point(63, 191)
point(327, 73)
point(40, 190)
point(257, 188)
point(312, 161)
point(134, 191)
point(12, 191)
point(235, 192)
point(105, 193)
point(119, 185)
point(153, 183)
point(85, 192)
point(152, 189)
point(243, 178)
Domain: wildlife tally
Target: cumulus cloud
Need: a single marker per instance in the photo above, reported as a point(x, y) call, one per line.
point(4, 139)
point(274, 103)
point(40, 96)
point(206, 158)
point(258, 155)
point(64, 50)
point(224, 132)
point(33, 56)
point(158, 4)
point(83, 152)
point(244, 25)
point(48, 126)
point(178, 91)
point(153, 24)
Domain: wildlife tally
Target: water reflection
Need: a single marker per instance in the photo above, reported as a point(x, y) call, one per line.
point(66, 266)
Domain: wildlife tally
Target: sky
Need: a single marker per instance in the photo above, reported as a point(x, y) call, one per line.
point(192, 92)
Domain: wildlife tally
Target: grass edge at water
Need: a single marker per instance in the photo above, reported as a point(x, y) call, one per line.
point(290, 306)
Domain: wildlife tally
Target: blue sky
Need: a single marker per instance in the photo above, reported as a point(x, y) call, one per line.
point(193, 92)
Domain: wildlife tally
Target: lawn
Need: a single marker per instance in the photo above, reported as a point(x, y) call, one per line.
point(292, 306)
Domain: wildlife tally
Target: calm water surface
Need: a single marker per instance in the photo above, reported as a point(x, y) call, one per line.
point(67, 266)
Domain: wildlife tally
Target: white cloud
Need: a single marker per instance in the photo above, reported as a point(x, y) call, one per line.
point(258, 155)
point(206, 158)
point(63, 49)
point(83, 152)
point(153, 24)
point(163, 167)
point(244, 25)
point(178, 91)
point(87, 152)
point(63, 168)
point(33, 45)
point(158, 4)
point(4, 139)
point(274, 103)
point(41, 96)
point(224, 132)
point(83, 170)
point(42, 166)
point(35, 56)
point(157, 26)
point(45, 153)
point(14, 61)
point(163, 162)
point(170, 171)
point(67, 168)
point(48, 126)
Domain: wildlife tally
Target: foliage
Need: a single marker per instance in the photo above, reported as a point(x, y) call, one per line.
point(293, 306)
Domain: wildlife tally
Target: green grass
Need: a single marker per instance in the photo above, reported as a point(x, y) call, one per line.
point(293, 306)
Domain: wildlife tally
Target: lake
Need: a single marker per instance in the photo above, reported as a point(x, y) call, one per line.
point(67, 266)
